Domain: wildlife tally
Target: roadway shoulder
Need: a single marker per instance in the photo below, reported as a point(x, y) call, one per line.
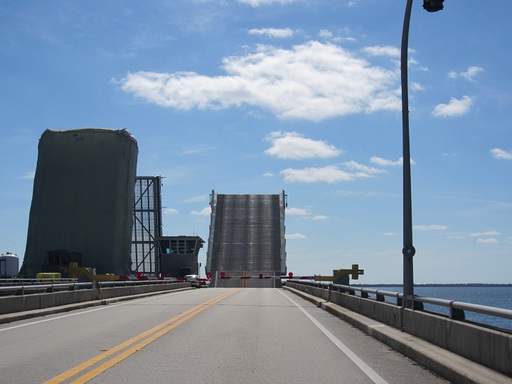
point(441, 361)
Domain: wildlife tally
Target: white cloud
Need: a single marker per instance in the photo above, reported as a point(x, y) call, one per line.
point(292, 145)
point(28, 176)
point(257, 3)
point(354, 166)
point(296, 236)
point(498, 153)
point(454, 108)
point(469, 74)
point(170, 211)
point(206, 211)
point(312, 81)
point(385, 162)
point(268, 174)
point(320, 217)
point(196, 150)
point(196, 199)
point(383, 51)
point(297, 212)
point(486, 233)
point(487, 241)
point(432, 227)
point(329, 174)
point(416, 86)
point(272, 32)
point(324, 33)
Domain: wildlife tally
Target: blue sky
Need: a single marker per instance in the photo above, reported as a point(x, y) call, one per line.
point(260, 96)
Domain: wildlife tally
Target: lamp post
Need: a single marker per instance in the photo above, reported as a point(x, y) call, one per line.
point(408, 249)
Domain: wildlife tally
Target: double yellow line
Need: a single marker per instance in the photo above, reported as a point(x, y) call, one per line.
point(133, 345)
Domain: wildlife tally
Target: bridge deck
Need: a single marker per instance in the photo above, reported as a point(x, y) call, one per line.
point(216, 336)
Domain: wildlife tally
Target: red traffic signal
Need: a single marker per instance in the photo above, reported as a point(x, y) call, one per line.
point(260, 275)
point(290, 275)
point(222, 275)
point(208, 276)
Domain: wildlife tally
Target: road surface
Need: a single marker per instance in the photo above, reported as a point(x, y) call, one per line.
point(211, 335)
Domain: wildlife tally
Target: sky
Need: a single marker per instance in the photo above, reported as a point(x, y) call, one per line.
point(261, 96)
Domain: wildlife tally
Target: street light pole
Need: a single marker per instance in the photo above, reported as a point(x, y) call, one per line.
point(408, 249)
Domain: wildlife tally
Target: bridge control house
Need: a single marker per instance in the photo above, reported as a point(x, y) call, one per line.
point(178, 255)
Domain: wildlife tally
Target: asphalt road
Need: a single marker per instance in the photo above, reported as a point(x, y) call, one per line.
point(200, 336)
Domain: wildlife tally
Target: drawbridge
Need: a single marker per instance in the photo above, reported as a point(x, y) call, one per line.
point(246, 246)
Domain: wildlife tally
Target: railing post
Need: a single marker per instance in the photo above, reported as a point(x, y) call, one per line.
point(456, 313)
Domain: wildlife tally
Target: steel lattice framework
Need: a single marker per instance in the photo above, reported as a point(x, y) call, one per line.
point(147, 225)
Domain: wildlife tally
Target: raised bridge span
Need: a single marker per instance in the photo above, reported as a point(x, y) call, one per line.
point(215, 335)
point(247, 238)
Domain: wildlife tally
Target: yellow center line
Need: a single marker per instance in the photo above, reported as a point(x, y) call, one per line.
point(154, 334)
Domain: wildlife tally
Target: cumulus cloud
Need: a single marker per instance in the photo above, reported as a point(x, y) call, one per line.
point(486, 233)
point(297, 211)
point(320, 217)
point(383, 51)
point(312, 81)
point(354, 166)
point(292, 145)
point(28, 176)
point(329, 174)
point(196, 199)
point(257, 3)
point(487, 241)
point(498, 153)
point(432, 227)
point(469, 74)
point(296, 236)
point(272, 32)
point(206, 211)
point(454, 108)
point(385, 162)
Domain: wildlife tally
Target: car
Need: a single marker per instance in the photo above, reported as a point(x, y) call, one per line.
point(194, 280)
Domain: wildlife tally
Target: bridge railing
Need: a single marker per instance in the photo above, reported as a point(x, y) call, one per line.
point(56, 286)
point(456, 309)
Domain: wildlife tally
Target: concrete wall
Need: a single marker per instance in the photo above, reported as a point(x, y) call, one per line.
point(12, 304)
point(484, 346)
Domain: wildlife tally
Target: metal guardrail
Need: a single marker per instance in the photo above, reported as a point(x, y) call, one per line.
point(55, 286)
point(456, 308)
point(42, 287)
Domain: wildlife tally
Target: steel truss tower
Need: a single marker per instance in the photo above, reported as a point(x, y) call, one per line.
point(147, 225)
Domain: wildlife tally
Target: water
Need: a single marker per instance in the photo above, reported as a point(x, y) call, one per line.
point(492, 296)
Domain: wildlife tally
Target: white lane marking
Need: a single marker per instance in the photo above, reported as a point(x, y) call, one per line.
point(374, 376)
point(83, 312)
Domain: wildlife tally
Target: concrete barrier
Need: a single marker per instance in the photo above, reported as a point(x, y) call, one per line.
point(36, 301)
point(488, 347)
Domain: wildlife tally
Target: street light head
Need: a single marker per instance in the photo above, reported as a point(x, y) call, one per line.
point(433, 5)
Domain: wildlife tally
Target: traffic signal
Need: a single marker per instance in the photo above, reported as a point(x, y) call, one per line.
point(260, 276)
point(208, 276)
point(290, 275)
point(433, 5)
point(222, 275)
